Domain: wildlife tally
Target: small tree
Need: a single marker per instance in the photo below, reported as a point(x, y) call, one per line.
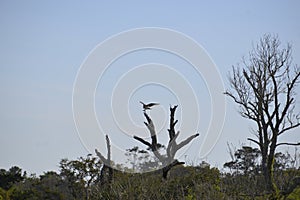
point(244, 160)
point(82, 172)
point(10, 177)
point(265, 91)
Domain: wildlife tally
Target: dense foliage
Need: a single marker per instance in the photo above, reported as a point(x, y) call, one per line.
point(80, 179)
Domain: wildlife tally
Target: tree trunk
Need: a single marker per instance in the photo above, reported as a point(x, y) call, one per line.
point(268, 178)
point(167, 168)
point(106, 174)
point(267, 164)
point(271, 185)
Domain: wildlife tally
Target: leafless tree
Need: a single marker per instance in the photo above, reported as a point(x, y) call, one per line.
point(264, 89)
point(106, 174)
point(168, 160)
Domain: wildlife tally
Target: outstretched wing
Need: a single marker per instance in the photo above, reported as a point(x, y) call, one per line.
point(152, 104)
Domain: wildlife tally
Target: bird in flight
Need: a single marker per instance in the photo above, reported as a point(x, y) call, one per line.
point(148, 106)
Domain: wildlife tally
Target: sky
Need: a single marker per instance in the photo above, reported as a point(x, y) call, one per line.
point(44, 44)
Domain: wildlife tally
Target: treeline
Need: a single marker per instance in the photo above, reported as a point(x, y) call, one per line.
point(82, 179)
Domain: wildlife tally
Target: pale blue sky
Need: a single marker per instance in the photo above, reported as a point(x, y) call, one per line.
point(43, 44)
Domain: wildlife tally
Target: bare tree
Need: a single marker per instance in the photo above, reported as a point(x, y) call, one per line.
point(106, 174)
point(264, 89)
point(168, 160)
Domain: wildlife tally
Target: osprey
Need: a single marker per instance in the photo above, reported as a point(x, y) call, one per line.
point(148, 106)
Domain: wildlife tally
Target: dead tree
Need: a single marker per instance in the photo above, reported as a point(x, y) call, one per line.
point(265, 90)
point(168, 160)
point(106, 174)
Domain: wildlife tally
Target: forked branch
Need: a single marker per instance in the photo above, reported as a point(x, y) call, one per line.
point(106, 169)
point(168, 160)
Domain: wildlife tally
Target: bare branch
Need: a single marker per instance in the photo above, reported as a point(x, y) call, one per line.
point(288, 128)
point(256, 142)
point(173, 122)
point(102, 158)
point(248, 112)
point(186, 141)
point(286, 143)
point(152, 147)
point(143, 141)
point(289, 99)
point(170, 149)
point(108, 149)
point(106, 161)
point(149, 124)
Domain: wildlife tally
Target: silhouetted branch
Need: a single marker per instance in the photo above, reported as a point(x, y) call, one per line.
point(287, 143)
point(108, 149)
point(142, 141)
point(252, 140)
point(173, 122)
point(106, 163)
point(288, 128)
